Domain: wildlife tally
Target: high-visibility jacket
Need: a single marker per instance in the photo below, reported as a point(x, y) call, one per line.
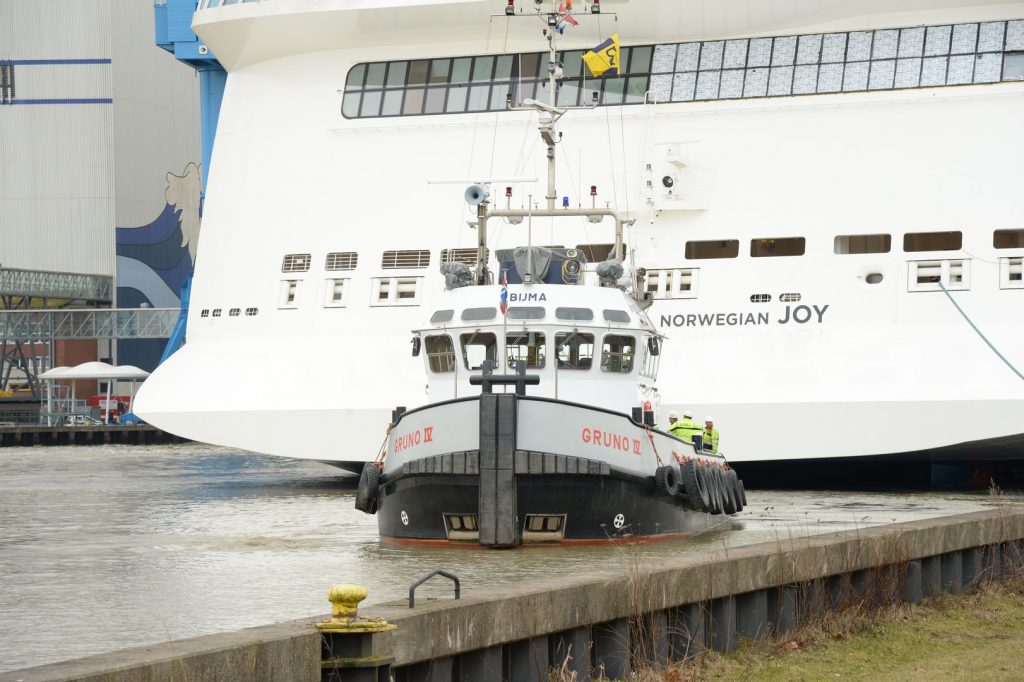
point(711, 437)
point(684, 429)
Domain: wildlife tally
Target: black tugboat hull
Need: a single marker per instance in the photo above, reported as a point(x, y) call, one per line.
point(442, 509)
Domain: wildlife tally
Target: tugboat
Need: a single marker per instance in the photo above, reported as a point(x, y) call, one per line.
point(574, 458)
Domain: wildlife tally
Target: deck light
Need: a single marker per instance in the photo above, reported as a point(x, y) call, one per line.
point(508, 192)
point(595, 8)
point(593, 190)
point(510, 10)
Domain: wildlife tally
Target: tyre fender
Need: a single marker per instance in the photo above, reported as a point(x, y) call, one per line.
point(666, 481)
point(695, 486)
point(368, 489)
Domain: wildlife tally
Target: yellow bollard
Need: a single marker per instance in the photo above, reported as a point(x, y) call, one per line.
point(345, 617)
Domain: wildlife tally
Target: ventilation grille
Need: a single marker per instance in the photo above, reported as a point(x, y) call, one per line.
point(296, 262)
point(464, 256)
point(405, 259)
point(341, 260)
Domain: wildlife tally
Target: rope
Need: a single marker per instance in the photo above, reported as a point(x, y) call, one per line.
point(978, 332)
point(650, 434)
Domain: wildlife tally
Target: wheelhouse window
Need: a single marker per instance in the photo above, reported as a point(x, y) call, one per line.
point(574, 350)
point(620, 316)
point(1008, 239)
point(479, 314)
point(442, 316)
point(523, 312)
point(785, 246)
point(725, 248)
point(574, 314)
point(617, 353)
point(851, 244)
point(525, 346)
point(932, 241)
point(440, 353)
point(477, 347)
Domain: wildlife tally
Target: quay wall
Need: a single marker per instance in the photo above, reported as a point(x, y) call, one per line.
point(27, 436)
point(608, 621)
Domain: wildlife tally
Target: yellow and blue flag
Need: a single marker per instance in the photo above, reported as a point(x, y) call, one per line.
point(604, 59)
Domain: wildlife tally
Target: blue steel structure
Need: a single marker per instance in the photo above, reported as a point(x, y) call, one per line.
point(173, 24)
point(173, 32)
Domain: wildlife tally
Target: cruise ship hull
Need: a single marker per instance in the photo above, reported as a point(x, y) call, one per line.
point(825, 354)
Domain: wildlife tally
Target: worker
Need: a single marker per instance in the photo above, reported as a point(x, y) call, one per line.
point(673, 423)
point(710, 434)
point(684, 428)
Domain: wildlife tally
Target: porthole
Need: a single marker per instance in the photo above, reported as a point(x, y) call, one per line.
point(873, 278)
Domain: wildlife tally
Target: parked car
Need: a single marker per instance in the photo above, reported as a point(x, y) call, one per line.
point(82, 420)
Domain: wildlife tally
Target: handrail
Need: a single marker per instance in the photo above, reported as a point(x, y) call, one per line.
point(428, 576)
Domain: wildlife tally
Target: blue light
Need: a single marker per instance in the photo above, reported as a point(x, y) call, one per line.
point(565, 202)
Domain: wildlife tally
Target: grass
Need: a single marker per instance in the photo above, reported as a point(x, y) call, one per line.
point(976, 635)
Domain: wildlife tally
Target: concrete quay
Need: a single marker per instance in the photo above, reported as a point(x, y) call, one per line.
point(27, 436)
point(610, 622)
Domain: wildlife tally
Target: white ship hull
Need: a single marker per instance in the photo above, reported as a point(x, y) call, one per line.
point(865, 369)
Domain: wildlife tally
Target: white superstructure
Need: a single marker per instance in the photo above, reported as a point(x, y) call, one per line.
point(796, 244)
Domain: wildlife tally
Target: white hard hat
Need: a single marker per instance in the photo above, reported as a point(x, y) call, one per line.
point(709, 418)
point(673, 415)
point(688, 414)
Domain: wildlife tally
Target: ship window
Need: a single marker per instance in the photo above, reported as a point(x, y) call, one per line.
point(934, 275)
point(574, 350)
point(596, 253)
point(789, 298)
point(740, 68)
point(725, 248)
point(334, 292)
point(1013, 66)
point(760, 298)
point(405, 259)
point(675, 283)
point(296, 262)
point(862, 243)
point(525, 346)
point(289, 297)
point(787, 246)
point(617, 353)
point(478, 314)
point(205, 313)
point(234, 312)
point(932, 241)
point(477, 347)
point(541, 523)
point(521, 312)
point(252, 312)
point(341, 260)
point(1010, 273)
point(440, 353)
point(216, 312)
point(580, 314)
point(464, 256)
point(616, 316)
point(442, 316)
point(1008, 239)
point(395, 291)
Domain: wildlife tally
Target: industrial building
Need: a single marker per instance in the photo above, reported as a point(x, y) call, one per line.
point(100, 183)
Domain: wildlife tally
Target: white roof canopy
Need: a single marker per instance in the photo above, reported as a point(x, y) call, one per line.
point(95, 370)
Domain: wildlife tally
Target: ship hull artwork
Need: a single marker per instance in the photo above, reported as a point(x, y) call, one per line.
point(540, 471)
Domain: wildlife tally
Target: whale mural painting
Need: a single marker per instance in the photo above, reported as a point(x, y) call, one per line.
point(154, 260)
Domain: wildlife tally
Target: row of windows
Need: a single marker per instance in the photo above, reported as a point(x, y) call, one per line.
point(347, 260)
point(884, 59)
point(573, 351)
point(695, 250)
point(848, 244)
point(530, 313)
point(6, 83)
point(232, 312)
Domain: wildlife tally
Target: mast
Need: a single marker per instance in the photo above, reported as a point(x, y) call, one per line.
point(548, 116)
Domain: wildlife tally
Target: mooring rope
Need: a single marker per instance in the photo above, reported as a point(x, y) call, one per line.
point(978, 332)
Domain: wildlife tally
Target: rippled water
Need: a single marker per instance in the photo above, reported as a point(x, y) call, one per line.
point(136, 545)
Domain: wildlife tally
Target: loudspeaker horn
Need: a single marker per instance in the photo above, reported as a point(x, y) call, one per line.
point(475, 194)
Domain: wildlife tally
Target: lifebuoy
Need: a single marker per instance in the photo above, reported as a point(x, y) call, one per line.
point(368, 488)
point(666, 481)
point(695, 486)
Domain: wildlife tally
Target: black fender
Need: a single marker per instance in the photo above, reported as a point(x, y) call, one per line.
point(368, 489)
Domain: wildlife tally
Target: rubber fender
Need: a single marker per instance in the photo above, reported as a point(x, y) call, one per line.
point(730, 497)
point(666, 481)
point(714, 478)
point(743, 490)
point(695, 486)
point(368, 489)
point(737, 487)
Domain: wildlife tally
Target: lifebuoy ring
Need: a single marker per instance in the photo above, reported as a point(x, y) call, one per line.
point(695, 486)
point(666, 481)
point(368, 488)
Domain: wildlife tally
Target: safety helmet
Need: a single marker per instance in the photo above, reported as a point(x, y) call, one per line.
point(673, 415)
point(709, 418)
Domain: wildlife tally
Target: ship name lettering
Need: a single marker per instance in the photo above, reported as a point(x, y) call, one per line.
point(524, 297)
point(612, 441)
point(414, 438)
point(801, 314)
